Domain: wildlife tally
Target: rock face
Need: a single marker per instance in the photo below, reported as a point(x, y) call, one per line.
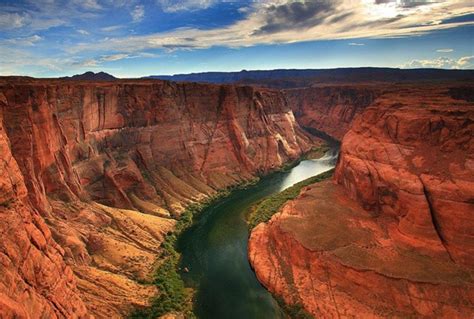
point(35, 279)
point(330, 109)
point(393, 234)
point(92, 173)
point(411, 158)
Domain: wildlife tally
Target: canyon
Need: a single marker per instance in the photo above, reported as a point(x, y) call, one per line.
point(330, 110)
point(95, 174)
point(392, 235)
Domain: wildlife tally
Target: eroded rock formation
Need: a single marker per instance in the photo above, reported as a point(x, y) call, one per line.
point(331, 109)
point(411, 157)
point(393, 234)
point(91, 174)
point(35, 279)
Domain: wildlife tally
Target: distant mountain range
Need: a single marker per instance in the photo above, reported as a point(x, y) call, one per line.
point(293, 78)
point(91, 76)
point(285, 78)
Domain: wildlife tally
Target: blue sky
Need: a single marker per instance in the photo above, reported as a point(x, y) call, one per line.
point(133, 38)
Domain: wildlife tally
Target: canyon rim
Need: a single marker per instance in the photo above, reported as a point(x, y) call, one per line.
point(143, 176)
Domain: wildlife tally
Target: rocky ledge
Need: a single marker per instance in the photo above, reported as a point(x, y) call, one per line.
point(393, 234)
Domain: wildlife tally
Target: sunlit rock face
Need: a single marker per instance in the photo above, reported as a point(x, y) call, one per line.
point(410, 157)
point(35, 279)
point(393, 234)
point(92, 172)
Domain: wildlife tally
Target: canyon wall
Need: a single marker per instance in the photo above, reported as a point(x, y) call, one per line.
point(411, 157)
point(92, 174)
point(393, 234)
point(35, 281)
point(330, 109)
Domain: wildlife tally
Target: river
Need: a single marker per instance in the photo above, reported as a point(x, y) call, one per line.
point(214, 249)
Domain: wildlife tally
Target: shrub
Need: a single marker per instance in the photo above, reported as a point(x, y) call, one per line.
point(265, 209)
point(173, 296)
point(294, 311)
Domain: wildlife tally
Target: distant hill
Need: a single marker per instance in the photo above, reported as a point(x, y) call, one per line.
point(91, 76)
point(288, 78)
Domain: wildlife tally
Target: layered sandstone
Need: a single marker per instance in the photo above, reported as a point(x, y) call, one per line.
point(411, 157)
point(331, 109)
point(395, 236)
point(326, 253)
point(35, 280)
point(107, 165)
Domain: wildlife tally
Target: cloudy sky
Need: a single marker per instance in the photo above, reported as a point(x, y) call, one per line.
point(131, 38)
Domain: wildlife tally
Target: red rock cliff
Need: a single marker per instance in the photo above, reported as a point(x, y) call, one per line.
point(411, 158)
point(105, 165)
point(395, 236)
point(35, 281)
point(330, 109)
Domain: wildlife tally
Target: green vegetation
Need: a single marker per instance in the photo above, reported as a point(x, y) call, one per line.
point(264, 210)
point(295, 311)
point(313, 153)
point(316, 152)
point(173, 295)
point(6, 203)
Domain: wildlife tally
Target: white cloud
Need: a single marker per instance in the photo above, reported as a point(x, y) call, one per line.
point(83, 32)
point(45, 14)
point(185, 5)
point(44, 23)
point(88, 4)
point(121, 3)
point(244, 9)
point(12, 20)
point(30, 40)
point(112, 28)
point(145, 55)
point(35, 38)
point(90, 63)
point(97, 62)
point(114, 57)
point(22, 41)
point(445, 50)
point(466, 62)
point(265, 22)
point(13, 60)
point(283, 22)
point(356, 44)
point(138, 13)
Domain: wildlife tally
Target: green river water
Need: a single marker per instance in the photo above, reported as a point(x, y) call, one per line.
point(214, 250)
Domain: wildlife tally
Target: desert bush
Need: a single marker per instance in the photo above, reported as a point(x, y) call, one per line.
point(265, 209)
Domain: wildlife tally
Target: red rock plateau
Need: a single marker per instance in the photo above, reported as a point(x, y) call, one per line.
point(393, 234)
point(91, 175)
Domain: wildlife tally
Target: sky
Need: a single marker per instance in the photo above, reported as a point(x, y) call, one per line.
point(134, 38)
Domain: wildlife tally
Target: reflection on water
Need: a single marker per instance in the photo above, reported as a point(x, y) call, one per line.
point(314, 167)
point(214, 250)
